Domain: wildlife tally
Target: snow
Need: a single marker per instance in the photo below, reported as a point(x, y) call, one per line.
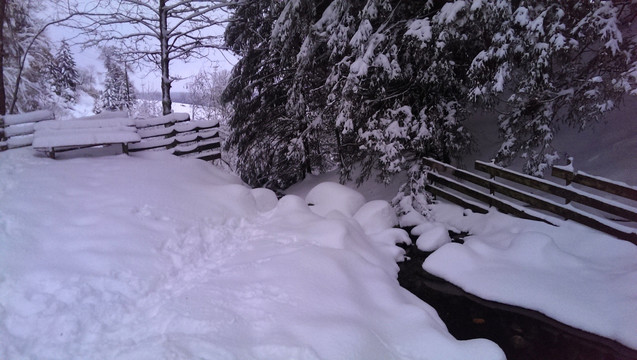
point(106, 114)
point(20, 141)
point(431, 236)
point(152, 256)
point(84, 123)
point(421, 30)
point(329, 197)
point(34, 116)
point(449, 12)
point(20, 129)
point(376, 216)
point(574, 274)
point(70, 137)
point(161, 120)
point(87, 131)
point(571, 273)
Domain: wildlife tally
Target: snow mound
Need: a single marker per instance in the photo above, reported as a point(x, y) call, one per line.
point(571, 273)
point(376, 216)
point(265, 199)
point(152, 256)
point(431, 236)
point(330, 196)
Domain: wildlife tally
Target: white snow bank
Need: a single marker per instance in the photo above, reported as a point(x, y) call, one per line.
point(151, 257)
point(265, 199)
point(330, 196)
point(571, 273)
point(376, 216)
point(431, 236)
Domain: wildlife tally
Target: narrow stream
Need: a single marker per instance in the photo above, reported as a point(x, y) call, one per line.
point(523, 334)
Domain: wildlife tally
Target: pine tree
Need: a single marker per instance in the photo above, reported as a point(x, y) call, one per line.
point(270, 138)
point(382, 84)
point(562, 63)
point(65, 75)
point(118, 93)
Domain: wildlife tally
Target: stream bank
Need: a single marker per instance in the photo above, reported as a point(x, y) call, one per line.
point(523, 334)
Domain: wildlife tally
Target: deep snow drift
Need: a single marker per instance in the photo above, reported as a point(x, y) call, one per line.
point(151, 257)
point(571, 273)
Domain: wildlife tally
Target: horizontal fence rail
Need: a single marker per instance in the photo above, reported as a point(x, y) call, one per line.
point(448, 177)
point(174, 132)
point(16, 130)
point(595, 182)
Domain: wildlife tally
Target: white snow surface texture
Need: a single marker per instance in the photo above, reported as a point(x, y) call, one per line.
point(156, 257)
point(571, 273)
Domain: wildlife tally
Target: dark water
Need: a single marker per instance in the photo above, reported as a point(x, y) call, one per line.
point(522, 334)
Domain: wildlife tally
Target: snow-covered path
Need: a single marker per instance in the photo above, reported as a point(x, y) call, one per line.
point(156, 257)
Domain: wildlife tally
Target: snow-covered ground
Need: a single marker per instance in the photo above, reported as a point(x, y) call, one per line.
point(151, 256)
point(573, 274)
point(576, 275)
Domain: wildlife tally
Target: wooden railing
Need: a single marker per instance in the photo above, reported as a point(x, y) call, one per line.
point(174, 132)
point(17, 130)
point(447, 177)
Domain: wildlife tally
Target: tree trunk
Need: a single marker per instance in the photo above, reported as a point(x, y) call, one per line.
point(3, 96)
point(307, 163)
point(166, 102)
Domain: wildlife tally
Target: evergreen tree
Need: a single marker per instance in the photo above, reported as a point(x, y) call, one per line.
point(118, 93)
point(267, 136)
point(561, 63)
point(64, 73)
point(382, 84)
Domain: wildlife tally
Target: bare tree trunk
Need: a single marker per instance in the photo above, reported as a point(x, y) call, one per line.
point(3, 96)
point(166, 102)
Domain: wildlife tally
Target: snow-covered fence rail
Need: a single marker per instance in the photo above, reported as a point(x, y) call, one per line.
point(595, 182)
point(441, 184)
point(176, 133)
point(16, 130)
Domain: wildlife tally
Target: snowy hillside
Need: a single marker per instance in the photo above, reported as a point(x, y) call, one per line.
point(156, 257)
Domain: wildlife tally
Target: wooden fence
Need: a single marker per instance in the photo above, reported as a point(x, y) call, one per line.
point(452, 184)
point(17, 130)
point(174, 132)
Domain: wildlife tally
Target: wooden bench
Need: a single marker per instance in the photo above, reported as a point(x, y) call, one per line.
point(62, 135)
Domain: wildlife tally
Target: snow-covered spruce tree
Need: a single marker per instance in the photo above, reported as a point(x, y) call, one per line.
point(556, 63)
point(64, 74)
point(398, 85)
point(396, 80)
point(270, 136)
point(118, 93)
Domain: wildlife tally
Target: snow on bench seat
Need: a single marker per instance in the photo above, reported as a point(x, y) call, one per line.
point(68, 134)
